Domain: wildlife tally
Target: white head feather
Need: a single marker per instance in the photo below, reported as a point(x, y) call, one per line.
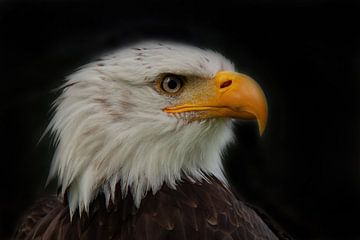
point(109, 125)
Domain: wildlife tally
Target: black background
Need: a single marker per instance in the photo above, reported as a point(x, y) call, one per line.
point(305, 170)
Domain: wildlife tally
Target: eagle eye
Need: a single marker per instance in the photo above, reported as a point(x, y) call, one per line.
point(172, 84)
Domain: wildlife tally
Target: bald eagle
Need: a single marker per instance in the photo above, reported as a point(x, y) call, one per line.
point(139, 136)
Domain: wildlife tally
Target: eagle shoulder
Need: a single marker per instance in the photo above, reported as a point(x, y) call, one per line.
point(206, 210)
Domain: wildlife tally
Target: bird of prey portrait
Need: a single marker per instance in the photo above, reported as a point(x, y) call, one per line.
point(139, 137)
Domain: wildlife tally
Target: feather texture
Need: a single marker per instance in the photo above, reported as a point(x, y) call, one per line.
point(206, 210)
point(109, 117)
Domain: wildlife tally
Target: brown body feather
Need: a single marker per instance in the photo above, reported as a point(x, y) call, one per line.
point(205, 210)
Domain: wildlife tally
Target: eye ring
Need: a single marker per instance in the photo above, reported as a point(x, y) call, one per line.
point(172, 84)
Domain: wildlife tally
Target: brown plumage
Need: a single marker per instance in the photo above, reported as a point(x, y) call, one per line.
point(206, 210)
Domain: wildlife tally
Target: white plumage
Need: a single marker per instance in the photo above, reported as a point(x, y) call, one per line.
point(109, 125)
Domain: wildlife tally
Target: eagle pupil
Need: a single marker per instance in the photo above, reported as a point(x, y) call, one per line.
point(172, 84)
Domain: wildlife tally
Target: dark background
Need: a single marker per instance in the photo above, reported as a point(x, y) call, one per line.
point(305, 170)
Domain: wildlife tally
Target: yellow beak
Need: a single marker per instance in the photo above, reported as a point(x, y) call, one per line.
point(236, 96)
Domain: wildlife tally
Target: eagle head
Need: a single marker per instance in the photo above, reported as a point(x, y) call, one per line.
point(147, 115)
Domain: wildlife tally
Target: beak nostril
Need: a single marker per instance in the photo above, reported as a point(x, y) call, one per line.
point(226, 84)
